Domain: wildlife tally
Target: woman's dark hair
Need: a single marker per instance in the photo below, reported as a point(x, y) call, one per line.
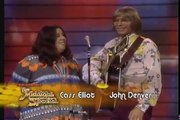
point(44, 46)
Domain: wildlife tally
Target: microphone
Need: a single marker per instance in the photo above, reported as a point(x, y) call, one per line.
point(88, 40)
point(89, 47)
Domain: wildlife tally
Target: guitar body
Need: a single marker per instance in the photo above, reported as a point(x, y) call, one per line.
point(104, 102)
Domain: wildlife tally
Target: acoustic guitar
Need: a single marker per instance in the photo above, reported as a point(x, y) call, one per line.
point(110, 73)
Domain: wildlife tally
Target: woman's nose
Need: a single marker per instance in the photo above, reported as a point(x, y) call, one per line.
point(62, 37)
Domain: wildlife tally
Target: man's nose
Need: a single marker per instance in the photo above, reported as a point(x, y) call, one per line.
point(119, 22)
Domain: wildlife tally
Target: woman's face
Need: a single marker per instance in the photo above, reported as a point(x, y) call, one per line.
point(122, 26)
point(60, 40)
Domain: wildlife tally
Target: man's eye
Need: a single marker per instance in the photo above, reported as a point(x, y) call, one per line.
point(125, 19)
point(116, 20)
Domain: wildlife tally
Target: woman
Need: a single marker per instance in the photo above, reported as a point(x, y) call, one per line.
point(51, 61)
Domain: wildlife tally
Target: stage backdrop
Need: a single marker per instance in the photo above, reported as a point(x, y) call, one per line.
point(24, 18)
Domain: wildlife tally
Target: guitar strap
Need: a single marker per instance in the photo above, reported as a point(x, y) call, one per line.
point(129, 53)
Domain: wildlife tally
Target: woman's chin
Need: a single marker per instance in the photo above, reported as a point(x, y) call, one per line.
point(61, 51)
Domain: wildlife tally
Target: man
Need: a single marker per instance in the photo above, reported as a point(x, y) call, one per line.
point(142, 70)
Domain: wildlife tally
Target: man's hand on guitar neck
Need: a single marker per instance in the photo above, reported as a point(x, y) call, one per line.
point(136, 114)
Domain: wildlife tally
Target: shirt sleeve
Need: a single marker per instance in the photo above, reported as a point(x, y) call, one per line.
point(95, 67)
point(152, 86)
point(96, 64)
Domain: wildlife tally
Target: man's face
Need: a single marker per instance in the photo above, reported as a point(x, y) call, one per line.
point(122, 26)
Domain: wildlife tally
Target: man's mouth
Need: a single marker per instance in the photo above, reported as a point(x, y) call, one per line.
point(120, 28)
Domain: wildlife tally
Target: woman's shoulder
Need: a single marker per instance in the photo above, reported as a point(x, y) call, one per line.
point(30, 58)
point(31, 62)
point(24, 68)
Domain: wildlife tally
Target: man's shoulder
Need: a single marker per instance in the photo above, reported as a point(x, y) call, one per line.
point(148, 41)
point(111, 42)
